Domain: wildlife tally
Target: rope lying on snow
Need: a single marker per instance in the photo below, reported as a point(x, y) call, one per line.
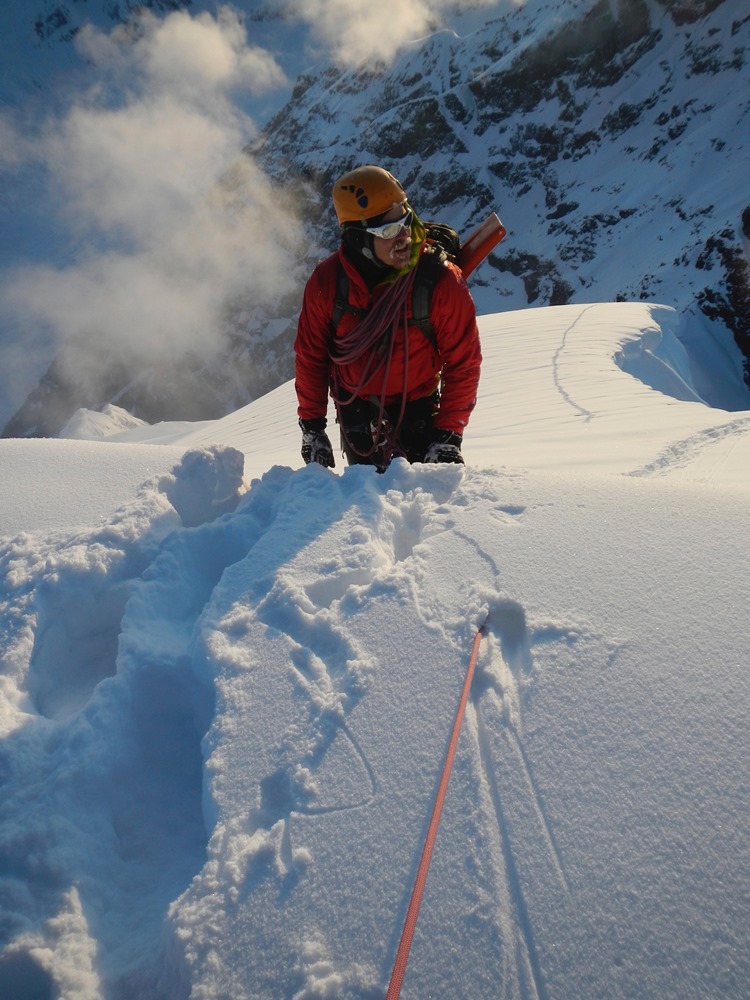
point(402, 955)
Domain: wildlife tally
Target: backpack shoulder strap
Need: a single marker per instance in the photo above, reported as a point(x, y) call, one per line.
point(429, 269)
point(341, 299)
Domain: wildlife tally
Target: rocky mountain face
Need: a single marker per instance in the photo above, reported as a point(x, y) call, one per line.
point(613, 143)
point(611, 136)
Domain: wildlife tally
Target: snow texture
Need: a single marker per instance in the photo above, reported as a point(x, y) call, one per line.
point(227, 688)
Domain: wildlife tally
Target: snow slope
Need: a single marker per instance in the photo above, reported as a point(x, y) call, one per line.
point(224, 704)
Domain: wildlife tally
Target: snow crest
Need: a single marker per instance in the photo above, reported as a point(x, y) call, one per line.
point(224, 708)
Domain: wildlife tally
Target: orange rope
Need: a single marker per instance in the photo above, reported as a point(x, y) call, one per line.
point(402, 955)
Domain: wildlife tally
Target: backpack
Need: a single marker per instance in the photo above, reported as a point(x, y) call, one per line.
point(442, 244)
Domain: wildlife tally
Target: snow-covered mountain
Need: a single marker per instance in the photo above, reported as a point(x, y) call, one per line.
point(225, 699)
point(611, 137)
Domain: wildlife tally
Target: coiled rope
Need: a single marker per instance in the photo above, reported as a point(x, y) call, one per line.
point(375, 335)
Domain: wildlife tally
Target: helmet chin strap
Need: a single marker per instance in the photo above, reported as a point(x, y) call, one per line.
point(360, 242)
point(359, 246)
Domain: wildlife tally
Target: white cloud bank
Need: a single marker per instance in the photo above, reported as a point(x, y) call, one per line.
point(360, 31)
point(171, 220)
point(168, 220)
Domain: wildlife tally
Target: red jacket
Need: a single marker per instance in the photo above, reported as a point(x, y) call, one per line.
point(457, 360)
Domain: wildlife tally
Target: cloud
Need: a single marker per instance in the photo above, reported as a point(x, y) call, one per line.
point(169, 219)
point(362, 31)
point(188, 55)
point(358, 30)
point(15, 148)
point(168, 294)
point(135, 171)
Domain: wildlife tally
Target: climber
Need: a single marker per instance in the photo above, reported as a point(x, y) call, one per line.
point(403, 384)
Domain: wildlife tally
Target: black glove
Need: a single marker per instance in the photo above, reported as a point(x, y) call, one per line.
point(445, 447)
point(316, 446)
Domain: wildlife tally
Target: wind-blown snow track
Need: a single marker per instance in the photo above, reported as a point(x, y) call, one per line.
point(520, 951)
point(680, 454)
point(499, 690)
point(508, 625)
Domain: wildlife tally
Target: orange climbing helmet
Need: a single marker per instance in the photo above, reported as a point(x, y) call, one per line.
point(364, 193)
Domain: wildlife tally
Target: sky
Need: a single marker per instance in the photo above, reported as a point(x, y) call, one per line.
point(146, 178)
point(229, 682)
point(128, 199)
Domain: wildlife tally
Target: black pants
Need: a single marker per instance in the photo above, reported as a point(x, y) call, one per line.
point(410, 439)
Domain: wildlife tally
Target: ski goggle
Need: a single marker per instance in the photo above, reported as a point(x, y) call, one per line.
point(389, 230)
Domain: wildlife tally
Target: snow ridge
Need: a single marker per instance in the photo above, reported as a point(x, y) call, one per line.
point(226, 705)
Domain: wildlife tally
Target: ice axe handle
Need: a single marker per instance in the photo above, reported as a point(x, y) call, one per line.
point(479, 242)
